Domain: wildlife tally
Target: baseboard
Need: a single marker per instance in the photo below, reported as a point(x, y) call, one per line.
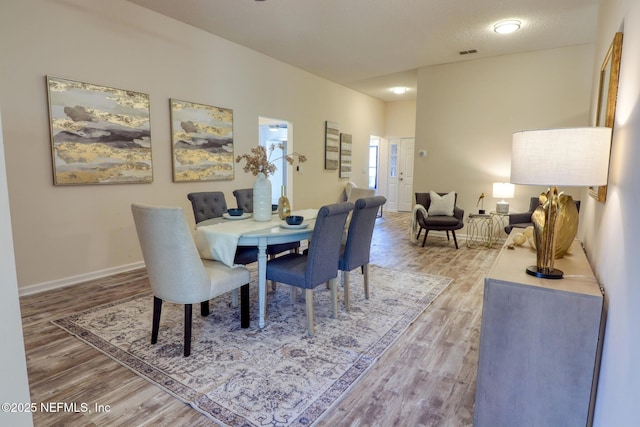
point(68, 281)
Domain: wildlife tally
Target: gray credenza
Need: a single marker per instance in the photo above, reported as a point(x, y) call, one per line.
point(540, 343)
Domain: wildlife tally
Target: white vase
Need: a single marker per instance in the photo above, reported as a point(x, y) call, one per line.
point(262, 198)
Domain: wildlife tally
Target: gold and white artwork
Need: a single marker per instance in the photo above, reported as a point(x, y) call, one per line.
point(99, 135)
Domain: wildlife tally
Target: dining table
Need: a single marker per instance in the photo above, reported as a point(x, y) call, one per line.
point(218, 239)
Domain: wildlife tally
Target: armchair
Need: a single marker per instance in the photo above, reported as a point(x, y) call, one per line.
point(438, 222)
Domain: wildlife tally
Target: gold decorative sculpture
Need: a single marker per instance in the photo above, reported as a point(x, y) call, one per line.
point(555, 224)
point(480, 199)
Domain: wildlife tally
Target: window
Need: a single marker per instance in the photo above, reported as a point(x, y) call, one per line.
point(373, 162)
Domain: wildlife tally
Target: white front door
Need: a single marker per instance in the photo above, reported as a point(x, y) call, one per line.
point(400, 174)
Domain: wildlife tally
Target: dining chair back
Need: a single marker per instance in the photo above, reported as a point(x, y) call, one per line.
point(244, 199)
point(356, 250)
point(207, 204)
point(177, 273)
point(320, 263)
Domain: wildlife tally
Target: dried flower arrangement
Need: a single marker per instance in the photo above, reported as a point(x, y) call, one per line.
point(259, 161)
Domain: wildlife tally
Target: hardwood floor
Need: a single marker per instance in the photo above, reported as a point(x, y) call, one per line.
point(427, 378)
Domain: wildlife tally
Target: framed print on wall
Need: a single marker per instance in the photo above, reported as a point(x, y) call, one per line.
point(99, 134)
point(607, 96)
point(331, 146)
point(345, 155)
point(202, 142)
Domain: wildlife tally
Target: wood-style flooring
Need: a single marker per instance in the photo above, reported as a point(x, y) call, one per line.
point(427, 378)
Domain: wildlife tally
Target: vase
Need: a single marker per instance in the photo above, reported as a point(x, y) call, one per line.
point(262, 198)
point(284, 207)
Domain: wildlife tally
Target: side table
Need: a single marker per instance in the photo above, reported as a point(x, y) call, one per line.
point(485, 229)
point(479, 230)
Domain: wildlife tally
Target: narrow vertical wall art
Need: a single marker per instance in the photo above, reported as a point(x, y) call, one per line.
point(345, 155)
point(331, 146)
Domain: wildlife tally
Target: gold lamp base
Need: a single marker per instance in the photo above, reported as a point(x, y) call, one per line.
point(555, 224)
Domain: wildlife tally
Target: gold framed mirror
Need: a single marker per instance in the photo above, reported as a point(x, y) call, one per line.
point(607, 95)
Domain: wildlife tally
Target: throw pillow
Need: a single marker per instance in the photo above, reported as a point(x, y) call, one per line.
point(442, 205)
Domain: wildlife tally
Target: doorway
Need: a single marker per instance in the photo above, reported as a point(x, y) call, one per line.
point(400, 174)
point(272, 132)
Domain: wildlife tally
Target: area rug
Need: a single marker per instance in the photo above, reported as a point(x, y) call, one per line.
point(275, 376)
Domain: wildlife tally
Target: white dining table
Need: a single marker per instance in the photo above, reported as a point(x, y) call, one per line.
point(219, 238)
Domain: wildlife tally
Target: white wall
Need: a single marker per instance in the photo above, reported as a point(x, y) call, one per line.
point(64, 234)
point(610, 229)
point(467, 112)
point(14, 387)
point(400, 119)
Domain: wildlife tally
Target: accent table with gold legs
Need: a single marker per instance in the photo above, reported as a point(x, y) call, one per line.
point(485, 229)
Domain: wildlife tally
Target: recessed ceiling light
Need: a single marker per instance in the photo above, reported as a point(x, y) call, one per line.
point(398, 90)
point(506, 27)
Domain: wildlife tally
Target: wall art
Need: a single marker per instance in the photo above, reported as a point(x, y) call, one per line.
point(345, 155)
point(202, 141)
point(331, 146)
point(99, 134)
point(607, 96)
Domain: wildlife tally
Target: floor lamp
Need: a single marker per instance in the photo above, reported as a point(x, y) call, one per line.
point(557, 157)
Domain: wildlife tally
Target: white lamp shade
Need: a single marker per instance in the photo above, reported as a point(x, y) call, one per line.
point(562, 157)
point(503, 190)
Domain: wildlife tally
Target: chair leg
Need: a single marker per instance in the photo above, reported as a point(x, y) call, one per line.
point(366, 280)
point(204, 308)
point(187, 329)
point(426, 232)
point(419, 231)
point(454, 238)
point(293, 294)
point(309, 310)
point(334, 297)
point(448, 235)
point(347, 294)
point(245, 312)
point(157, 308)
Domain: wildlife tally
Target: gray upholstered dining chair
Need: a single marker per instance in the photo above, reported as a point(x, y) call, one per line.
point(212, 204)
point(177, 273)
point(452, 222)
point(355, 252)
point(244, 200)
point(320, 263)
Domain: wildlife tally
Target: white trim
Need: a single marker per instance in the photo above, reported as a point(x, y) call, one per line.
point(68, 281)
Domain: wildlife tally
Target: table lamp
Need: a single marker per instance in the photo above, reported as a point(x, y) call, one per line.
point(553, 157)
point(503, 190)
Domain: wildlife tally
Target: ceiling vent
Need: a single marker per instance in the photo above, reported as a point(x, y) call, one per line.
point(468, 52)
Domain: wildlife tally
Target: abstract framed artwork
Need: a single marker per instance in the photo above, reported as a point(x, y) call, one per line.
point(202, 141)
point(345, 155)
point(99, 134)
point(607, 96)
point(331, 146)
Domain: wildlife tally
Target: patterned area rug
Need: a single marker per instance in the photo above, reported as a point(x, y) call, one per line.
point(277, 376)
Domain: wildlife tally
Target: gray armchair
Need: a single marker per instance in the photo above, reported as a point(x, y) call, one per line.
point(438, 222)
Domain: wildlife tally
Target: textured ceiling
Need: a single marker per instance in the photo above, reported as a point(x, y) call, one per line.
point(371, 45)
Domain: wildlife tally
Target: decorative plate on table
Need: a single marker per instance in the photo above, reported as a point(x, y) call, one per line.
point(243, 216)
point(285, 225)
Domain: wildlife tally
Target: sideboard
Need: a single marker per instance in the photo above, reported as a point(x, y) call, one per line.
point(540, 342)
